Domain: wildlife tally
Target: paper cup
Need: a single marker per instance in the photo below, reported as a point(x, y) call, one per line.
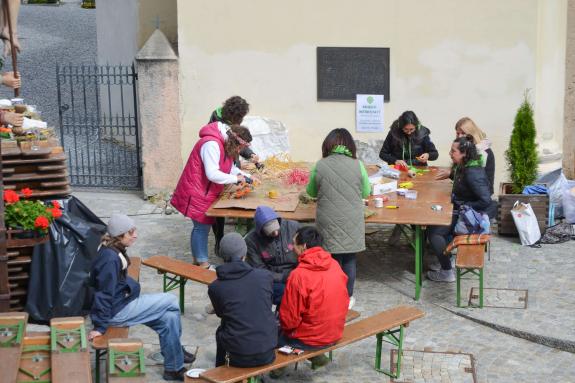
point(378, 202)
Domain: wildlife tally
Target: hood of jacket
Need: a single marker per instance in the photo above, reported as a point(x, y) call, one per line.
point(420, 133)
point(316, 259)
point(263, 215)
point(233, 270)
point(211, 130)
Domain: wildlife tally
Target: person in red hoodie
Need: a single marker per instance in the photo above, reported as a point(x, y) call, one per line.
point(209, 167)
point(315, 301)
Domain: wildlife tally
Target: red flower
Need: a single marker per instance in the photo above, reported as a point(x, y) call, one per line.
point(26, 192)
point(41, 222)
point(10, 196)
point(56, 204)
point(56, 213)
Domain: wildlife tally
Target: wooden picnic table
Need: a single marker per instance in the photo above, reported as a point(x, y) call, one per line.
point(417, 214)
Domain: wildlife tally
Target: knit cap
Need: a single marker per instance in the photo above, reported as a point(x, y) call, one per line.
point(233, 247)
point(270, 227)
point(120, 224)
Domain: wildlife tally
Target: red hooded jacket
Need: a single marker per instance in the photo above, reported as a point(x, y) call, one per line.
point(195, 192)
point(315, 300)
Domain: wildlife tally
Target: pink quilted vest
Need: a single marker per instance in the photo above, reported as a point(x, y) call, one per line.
point(195, 193)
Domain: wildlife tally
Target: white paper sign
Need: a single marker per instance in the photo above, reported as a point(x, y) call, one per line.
point(369, 113)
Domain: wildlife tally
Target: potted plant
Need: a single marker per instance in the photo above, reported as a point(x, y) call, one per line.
point(27, 221)
point(522, 162)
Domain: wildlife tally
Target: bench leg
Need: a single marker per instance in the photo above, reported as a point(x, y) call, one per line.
point(394, 340)
point(480, 288)
point(479, 274)
point(97, 366)
point(458, 281)
point(175, 282)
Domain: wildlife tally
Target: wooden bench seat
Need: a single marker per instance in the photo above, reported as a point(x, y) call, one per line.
point(176, 273)
point(100, 344)
point(126, 361)
point(385, 324)
point(12, 330)
point(470, 260)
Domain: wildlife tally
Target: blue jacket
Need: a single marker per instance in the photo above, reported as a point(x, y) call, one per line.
point(113, 288)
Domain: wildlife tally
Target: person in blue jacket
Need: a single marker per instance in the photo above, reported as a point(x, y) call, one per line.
point(118, 303)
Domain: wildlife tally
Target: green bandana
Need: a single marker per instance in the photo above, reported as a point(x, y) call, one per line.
point(342, 149)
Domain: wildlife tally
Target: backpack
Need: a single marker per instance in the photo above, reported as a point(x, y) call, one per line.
point(472, 222)
point(562, 232)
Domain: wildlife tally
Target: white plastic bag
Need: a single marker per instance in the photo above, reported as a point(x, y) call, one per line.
point(526, 223)
point(569, 203)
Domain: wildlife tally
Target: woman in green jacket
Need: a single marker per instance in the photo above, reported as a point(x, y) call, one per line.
point(339, 181)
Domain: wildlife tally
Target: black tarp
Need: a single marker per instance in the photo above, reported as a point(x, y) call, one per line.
point(60, 268)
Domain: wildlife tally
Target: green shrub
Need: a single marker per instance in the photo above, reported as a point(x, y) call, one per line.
point(521, 155)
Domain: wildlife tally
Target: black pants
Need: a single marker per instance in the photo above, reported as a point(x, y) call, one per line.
point(218, 229)
point(348, 264)
point(439, 237)
point(237, 360)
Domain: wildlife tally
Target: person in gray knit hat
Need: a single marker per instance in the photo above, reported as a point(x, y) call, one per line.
point(242, 298)
point(117, 301)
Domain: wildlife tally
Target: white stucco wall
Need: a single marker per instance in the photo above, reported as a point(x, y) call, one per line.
point(448, 59)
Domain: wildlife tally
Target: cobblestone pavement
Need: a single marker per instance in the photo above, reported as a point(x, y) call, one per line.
point(385, 279)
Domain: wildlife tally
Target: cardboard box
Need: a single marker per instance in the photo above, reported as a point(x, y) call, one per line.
point(383, 186)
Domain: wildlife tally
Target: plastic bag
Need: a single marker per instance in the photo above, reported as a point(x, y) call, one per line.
point(59, 273)
point(562, 232)
point(569, 202)
point(556, 182)
point(526, 223)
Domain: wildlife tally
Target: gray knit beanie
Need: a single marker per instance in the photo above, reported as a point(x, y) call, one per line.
point(233, 247)
point(120, 224)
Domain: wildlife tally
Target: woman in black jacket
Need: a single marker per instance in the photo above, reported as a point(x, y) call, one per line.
point(470, 188)
point(408, 143)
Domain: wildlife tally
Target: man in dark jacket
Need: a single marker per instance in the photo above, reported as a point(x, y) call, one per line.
point(270, 247)
point(242, 298)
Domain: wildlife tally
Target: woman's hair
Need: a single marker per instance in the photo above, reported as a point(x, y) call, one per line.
point(115, 243)
point(407, 118)
point(236, 134)
point(467, 147)
point(308, 236)
point(234, 110)
point(339, 136)
point(467, 126)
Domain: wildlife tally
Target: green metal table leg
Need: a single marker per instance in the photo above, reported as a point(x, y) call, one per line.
point(97, 366)
point(458, 280)
point(418, 260)
point(481, 288)
point(182, 293)
point(165, 282)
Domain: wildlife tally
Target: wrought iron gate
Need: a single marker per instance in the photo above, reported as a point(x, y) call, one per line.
point(99, 125)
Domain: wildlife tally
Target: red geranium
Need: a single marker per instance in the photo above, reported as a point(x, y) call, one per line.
point(10, 196)
point(41, 223)
point(56, 204)
point(56, 213)
point(26, 192)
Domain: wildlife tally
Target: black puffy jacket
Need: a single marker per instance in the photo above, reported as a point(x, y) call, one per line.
point(242, 298)
point(471, 187)
point(399, 146)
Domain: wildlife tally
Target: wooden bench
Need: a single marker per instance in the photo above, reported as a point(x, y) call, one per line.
point(176, 273)
point(35, 362)
point(389, 324)
point(126, 361)
point(100, 344)
point(470, 260)
point(70, 357)
point(12, 329)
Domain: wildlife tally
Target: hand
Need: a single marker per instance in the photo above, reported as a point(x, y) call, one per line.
point(442, 174)
point(93, 334)
point(7, 46)
point(255, 158)
point(423, 158)
point(10, 80)
point(241, 179)
point(401, 164)
point(14, 119)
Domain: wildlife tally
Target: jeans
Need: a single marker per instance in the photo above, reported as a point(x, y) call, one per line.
point(348, 264)
point(278, 293)
point(439, 237)
point(161, 313)
point(199, 241)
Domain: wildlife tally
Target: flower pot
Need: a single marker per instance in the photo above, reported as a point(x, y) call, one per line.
point(24, 238)
point(505, 223)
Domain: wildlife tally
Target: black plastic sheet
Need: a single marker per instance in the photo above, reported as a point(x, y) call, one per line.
point(59, 273)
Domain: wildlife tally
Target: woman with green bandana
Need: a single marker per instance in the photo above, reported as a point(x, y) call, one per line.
point(340, 182)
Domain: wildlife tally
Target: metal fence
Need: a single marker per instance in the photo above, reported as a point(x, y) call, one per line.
point(99, 125)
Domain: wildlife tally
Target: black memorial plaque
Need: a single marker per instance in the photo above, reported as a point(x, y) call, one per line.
point(344, 72)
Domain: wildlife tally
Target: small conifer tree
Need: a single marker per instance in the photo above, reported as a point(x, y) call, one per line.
point(521, 155)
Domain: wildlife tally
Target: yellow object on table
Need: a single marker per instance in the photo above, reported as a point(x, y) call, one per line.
point(406, 185)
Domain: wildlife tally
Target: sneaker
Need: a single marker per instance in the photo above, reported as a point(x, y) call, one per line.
point(205, 265)
point(436, 266)
point(278, 373)
point(175, 375)
point(395, 235)
point(441, 276)
point(351, 302)
point(189, 358)
point(210, 309)
point(319, 361)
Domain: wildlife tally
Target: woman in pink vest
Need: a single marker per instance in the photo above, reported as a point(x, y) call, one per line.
point(209, 167)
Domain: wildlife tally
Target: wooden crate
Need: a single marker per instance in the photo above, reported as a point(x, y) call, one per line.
point(505, 223)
